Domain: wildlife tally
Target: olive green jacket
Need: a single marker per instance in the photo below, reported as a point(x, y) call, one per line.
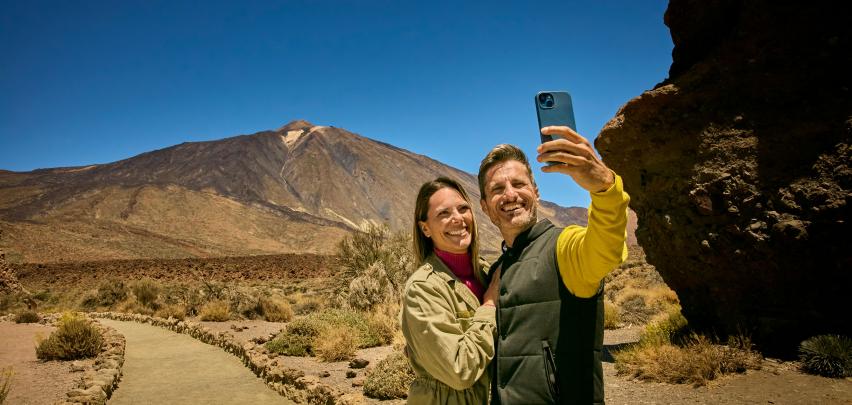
point(449, 336)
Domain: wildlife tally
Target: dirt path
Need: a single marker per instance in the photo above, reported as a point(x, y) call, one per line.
point(164, 367)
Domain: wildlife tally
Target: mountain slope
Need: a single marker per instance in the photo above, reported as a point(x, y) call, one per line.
point(298, 189)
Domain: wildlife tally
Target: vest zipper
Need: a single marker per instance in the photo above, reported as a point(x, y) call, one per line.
point(550, 370)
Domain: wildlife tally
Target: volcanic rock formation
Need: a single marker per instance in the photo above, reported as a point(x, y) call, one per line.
point(738, 167)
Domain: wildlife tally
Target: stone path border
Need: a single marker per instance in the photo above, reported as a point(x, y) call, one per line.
point(291, 383)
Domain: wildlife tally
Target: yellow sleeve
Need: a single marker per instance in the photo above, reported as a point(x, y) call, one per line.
point(587, 254)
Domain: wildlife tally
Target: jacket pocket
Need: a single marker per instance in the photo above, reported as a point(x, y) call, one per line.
point(550, 372)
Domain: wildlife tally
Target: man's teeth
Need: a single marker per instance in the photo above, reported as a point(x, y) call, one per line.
point(511, 206)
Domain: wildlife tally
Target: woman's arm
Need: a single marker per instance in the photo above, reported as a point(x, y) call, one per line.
point(435, 337)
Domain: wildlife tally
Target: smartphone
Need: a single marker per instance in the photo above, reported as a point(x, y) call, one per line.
point(554, 108)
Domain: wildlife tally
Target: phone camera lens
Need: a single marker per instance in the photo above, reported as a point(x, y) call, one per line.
point(545, 100)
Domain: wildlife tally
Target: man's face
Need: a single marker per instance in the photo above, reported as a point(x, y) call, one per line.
point(510, 198)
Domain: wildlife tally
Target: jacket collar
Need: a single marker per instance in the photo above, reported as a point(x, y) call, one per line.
point(526, 237)
point(444, 272)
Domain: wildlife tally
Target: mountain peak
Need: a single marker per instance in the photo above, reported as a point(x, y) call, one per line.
point(295, 125)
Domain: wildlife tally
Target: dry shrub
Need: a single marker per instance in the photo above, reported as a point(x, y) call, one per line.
point(665, 354)
point(216, 311)
point(390, 378)
point(297, 339)
point(612, 315)
point(638, 306)
point(110, 293)
point(27, 316)
point(176, 311)
point(75, 338)
point(272, 310)
point(299, 336)
point(383, 323)
point(146, 292)
point(336, 343)
point(374, 266)
point(5, 383)
point(827, 355)
point(134, 307)
point(305, 304)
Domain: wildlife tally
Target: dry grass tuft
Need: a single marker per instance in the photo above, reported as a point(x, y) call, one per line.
point(390, 378)
point(612, 315)
point(146, 292)
point(304, 304)
point(5, 383)
point(273, 310)
point(27, 316)
point(176, 311)
point(75, 338)
point(664, 354)
point(383, 323)
point(215, 311)
point(336, 343)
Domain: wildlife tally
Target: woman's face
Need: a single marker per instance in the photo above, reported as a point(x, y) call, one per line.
point(449, 221)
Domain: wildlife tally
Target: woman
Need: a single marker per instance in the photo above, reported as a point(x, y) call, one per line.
point(447, 313)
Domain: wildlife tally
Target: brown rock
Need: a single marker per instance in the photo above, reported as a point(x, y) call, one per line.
point(358, 363)
point(351, 374)
point(738, 168)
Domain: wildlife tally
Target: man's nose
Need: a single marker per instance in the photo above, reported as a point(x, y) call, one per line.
point(510, 192)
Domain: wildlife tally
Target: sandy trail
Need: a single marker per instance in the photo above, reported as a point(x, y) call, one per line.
point(163, 367)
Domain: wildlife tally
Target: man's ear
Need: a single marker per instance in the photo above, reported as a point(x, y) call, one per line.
point(483, 205)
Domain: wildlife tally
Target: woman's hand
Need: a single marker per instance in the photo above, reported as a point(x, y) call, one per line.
point(493, 291)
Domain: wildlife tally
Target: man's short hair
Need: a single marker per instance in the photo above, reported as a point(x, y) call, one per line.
point(502, 153)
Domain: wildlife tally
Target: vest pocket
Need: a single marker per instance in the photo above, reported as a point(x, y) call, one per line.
point(550, 373)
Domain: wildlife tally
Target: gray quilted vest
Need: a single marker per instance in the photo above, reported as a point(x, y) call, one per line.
point(549, 341)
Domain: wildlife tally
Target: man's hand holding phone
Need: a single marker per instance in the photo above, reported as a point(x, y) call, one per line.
point(576, 157)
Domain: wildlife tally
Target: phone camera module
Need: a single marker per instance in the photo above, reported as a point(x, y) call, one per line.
point(545, 100)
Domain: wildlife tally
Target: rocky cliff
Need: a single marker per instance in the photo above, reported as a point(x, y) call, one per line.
point(738, 165)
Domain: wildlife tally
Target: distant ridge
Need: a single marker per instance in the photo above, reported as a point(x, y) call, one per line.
point(297, 189)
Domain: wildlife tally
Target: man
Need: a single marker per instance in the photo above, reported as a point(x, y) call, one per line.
point(550, 309)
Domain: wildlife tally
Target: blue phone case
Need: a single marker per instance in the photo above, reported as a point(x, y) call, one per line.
point(555, 109)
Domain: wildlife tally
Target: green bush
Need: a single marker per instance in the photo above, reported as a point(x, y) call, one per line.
point(111, 293)
point(27, 316)
point(299, 337)
point(827, 355)
point(5, 383)
point(75, 338)
point(146, 292)
point(390, 378)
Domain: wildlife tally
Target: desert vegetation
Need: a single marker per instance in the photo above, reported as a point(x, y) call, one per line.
point(827, 355)
point(5, 383)
point(74, 338)
point(668, 352)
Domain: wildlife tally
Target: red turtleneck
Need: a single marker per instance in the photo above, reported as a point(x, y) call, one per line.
point(461, 265)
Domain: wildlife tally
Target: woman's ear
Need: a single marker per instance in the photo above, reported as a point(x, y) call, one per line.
point(424, 227)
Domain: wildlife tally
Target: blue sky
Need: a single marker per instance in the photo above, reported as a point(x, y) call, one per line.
point(85, 82)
